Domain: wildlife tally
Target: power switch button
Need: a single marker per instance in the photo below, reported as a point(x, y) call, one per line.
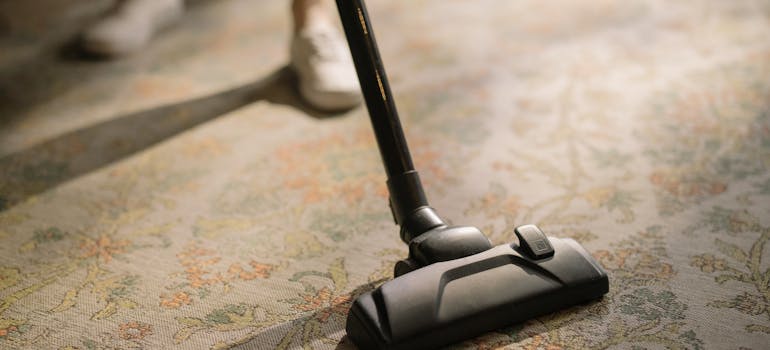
point(533, 242)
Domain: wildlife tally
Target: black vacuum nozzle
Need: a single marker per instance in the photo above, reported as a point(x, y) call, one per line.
point(454, 300)
point(454, 285)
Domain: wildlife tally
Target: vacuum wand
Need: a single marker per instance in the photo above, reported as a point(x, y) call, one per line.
point(379, 100)
point(408, 202)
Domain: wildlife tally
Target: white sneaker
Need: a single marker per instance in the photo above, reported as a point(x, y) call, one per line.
point(327, 77)
point(130, 26)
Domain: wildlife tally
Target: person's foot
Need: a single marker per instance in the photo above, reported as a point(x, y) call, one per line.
point(327, 78)
point(130, 26)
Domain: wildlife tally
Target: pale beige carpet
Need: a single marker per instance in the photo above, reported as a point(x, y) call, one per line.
point(183, 198)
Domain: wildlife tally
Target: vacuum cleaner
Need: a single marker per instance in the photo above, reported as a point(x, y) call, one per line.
point(454, 284)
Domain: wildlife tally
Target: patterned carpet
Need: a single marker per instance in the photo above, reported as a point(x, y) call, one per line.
point(183, 198)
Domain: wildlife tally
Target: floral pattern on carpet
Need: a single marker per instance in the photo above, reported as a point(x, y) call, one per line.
point(185, 198)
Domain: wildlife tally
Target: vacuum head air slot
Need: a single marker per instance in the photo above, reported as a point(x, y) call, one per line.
point(454, 300)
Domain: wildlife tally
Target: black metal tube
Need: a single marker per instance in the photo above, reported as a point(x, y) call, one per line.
point(407, 199)
point(375, 88)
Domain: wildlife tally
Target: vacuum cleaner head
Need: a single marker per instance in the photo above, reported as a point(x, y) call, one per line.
point(454, 300)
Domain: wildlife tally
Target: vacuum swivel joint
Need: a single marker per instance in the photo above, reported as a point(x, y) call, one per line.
point(429, 238)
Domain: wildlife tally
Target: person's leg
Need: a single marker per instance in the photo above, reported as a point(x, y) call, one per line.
point(304, 11)
point(321, 58)
point(130, 26)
